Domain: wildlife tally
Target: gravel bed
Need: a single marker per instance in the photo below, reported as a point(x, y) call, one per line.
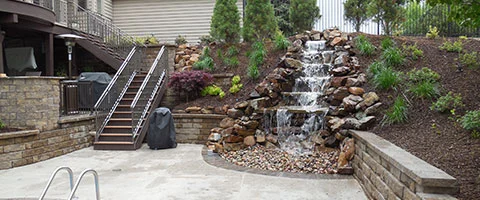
point(277, 160)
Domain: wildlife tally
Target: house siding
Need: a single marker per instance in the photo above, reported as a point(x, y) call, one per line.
point(165, 19)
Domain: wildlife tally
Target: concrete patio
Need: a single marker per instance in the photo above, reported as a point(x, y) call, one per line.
point(179, 173)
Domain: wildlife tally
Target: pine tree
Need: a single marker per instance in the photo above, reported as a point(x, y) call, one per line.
point(355, 12)
point(303, 14)
point(225, 26)
point(259, 22)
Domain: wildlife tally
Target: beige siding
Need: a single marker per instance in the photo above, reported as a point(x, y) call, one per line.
point(166, 19)
point(107, 10)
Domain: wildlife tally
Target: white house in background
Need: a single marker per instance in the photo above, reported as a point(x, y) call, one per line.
point(333, 12)
point(166, 19)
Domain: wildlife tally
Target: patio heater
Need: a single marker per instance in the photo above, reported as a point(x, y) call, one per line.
point(70, 43)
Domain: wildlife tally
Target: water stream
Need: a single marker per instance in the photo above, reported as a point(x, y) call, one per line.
point(296, 123)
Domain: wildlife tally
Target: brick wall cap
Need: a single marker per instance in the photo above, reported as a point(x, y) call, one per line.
point(17, 134)
point(75, 118)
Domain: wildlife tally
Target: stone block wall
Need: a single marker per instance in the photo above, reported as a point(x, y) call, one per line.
point(386, 171)
point(195, 128)
point(26, 147)
point(31, 102)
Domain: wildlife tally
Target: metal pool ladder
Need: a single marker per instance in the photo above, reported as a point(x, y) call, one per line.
point(73, 188)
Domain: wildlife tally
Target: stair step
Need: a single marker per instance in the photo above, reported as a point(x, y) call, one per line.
point(113, 143)
point(118, 127)
point(115, 135)
point(121, 119)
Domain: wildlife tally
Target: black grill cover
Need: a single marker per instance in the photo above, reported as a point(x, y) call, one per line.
point(161, 130)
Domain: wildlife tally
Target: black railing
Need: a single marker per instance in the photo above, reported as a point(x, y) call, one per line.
point(76, 97)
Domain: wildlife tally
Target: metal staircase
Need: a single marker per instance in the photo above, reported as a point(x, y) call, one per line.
point(122, 110)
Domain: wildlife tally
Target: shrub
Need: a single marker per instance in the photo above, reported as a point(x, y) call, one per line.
point(303, 14)
point(393, 57)
point(236, 85)
point(180, 40)
point(456, 46)
point(146, 40)
point(259, 22)
point(388, 13)
point(213, 90)
point(280, 41)
point(469, 60)
point(364, 45)
point(253, 71)
point(206, 39)
point(281, 15)
point(257, 55)
point(190, 83)
point(397, 113)
point(375, 67)
point(231, 62)
point(432, 32)
point(425, 89)
point(2, 125)
point(413, 51)
point(423, 75)
point(471, 121)
point(448, 102)
point(387, 42)
point(225, 26)
point(387, 78)
point(232, 51)
point(205, 64)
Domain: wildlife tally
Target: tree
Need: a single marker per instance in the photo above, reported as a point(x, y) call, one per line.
point(388, 13)
point(225, 26)
point(259, 22)
point(303, 14)
point(464, 12)
point(282, 16)
point(355, 12)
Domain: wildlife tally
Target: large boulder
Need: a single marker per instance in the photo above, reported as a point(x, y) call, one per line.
point(227, 122)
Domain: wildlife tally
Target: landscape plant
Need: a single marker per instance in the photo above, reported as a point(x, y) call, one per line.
point(469, 60)
point(282, 16)
point(206, 40)
point(393, 57)
point(303, 14)
point(259, 22)
point(387, 78)
point(256, 57)
point(364, 45)
point(423, 83)
point(280, 41)
point(355, 12)
point(213, 90)
point(397, 113)
point(181, 40)
point(190, 83)
point(2, 125)
point(447, 102)
point(375, 68)
point(422, 75)
point(454, 46)
point(413, 51)
point(205, 62)
point(236, 85)
point(387, 13)
point(432, 32)
point(387, 42)
point(225, 25)
point(464, 12)
point(471, 122)
point(230, 58)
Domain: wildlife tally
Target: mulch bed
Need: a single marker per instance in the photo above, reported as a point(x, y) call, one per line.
point(430, 135)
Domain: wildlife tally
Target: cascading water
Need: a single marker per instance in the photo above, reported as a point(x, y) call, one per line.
point(298, 122)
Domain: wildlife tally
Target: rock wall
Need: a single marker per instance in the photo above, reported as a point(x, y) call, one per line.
point(195, 128)
point(27, 147)
point(30, 102)
point(389, 172)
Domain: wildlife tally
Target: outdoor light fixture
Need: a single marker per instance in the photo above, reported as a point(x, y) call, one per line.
point(70, 43)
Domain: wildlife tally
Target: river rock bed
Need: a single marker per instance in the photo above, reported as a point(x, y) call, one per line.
point(260, 157)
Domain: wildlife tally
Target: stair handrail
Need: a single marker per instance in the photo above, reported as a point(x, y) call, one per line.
point(95, 177)
point(70, 174)
point(115, 77)
point(148, 96)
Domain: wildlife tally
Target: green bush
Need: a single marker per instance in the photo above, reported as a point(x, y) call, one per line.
point(231, 62)
point(232, 51)
point(259, 22)
point(423, 75)
point(303, 14)
point(281, 15)
point(393, 57)
point(469, 60)
point(397, 113)
point(387, 78)
point(432, 32)
point(2, 125)
point(225, 26)
point(375, 68)
point(280, 41)
point(213, 90)
point(206, 39)
point(180, 40)
point(471, 121)
point(455, 46)
point(206, 63)
point(447, 102)
point(412, 51)
point(364, 45)
point(425, 89)
point(253, 71)
point(236, 85)
point(387, 42)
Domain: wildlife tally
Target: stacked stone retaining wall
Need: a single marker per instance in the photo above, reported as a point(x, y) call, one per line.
point(26, 147)
point(386, 171)
point(195, 128)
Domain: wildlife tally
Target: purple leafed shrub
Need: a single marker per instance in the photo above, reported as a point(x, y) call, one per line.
point(190, 83)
